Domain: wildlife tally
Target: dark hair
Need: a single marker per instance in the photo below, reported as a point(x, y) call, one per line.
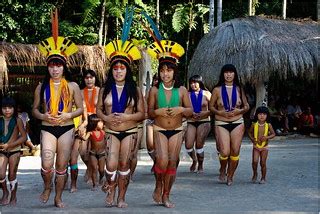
point(92, 73)
point(155, 77)
point(173, 66)
point(263, 110)
point(93, 120)
point(196, 78)
point(46, 81)
point(236, 80)
point(131, 86)
point(9, 102)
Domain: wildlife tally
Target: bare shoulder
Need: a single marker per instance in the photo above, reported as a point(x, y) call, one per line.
point(73, 85)
point(153, 90)
point(216, 90)
point(183, 89)
point(207, 93)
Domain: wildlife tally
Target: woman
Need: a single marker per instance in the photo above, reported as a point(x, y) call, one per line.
point(89, 93)
point(120, 106)
point(199, 124)
point(55, 96)
point(168, 103)
point(228, 103)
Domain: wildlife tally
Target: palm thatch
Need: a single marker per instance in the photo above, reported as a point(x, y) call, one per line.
point(258, 47)
point(88, 57)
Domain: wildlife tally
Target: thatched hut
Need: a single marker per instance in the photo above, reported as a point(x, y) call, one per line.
point(27, 55)
point(258, 47)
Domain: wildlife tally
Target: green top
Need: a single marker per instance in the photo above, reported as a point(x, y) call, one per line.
point(12, 123)
point(162, 101)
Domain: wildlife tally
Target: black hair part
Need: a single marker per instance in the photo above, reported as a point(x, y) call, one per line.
point(263, 110)
point(93, 120)
point(92, 73)
point(173, 66)
point(196, 78)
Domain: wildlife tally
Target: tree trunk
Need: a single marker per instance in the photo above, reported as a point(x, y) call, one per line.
point(3, 74)
point(101, 24)
point(261, 94)
point(250, 8)
point(219, 12)
point(211, 15)
point(145, 77)
point(284, 9)
point(158, 14)
point(106, 27)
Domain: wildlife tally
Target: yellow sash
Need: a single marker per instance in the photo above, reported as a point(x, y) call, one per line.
point(255, 133)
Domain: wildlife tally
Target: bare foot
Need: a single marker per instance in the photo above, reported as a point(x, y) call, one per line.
point(122, 204)
point(94, 189)
point(110, 196)
point(262, 181)
point(229, 181)
point(168, 204)
point(193, 166)
point(59, 203)
point(157, 196)
point(73, 189)
point(89, 181)
point(254, 178)
point(44, 197)
point(101, 182)
point(222, 176)
point(200, 169)
point(13, 202)
point(5, 199)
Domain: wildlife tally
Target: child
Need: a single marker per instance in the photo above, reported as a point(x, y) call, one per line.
point(97, 148)
point(12, 136)
point(259, 133)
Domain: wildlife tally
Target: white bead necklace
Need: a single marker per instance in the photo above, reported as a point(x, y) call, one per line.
point(119, 86)
point(168, 89)
point(261, 124)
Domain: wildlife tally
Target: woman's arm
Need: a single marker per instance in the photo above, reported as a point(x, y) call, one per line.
point(22, 136)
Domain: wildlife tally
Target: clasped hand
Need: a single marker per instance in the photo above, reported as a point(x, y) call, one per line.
point(118, 118)
point(170, 112)
point(4, 147)
point(59, 119)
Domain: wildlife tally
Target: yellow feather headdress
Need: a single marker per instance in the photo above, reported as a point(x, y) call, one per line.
point(163, 50)
point(123, 49)
point(57, 46)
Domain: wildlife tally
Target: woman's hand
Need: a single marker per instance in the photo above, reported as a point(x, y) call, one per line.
point(4, 147)
point(118, 118)
point(62, 117)
point(172, 112)
point(163, 112)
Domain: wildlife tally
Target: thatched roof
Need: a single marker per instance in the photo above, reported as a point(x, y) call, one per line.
point(88, 57)
point(258, 47)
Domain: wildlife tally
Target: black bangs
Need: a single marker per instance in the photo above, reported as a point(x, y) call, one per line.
point(56, 59)
point(228, 67)
point(262, 109)
point(8, 102)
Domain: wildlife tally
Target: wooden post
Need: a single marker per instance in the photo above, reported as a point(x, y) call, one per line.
point(144, 84)
point(3, 74)
point(261, 93)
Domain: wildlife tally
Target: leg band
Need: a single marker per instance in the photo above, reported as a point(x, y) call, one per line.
point(199, 151)
point(13, 184)
point(171, 171)
point(158, 170)
point(189, 150)
point(74, 166)
point(60, 173)
point(234, 158)
point(114, 173)
point(222, 158)
point(124, 173)
point(3, 180)
point(44, 171)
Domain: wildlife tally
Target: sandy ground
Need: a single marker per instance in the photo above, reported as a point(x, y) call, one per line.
point(292, 185)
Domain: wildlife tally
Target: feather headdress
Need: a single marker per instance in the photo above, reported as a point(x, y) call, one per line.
point(123, 49)
point(57, 46)
point(163, 50)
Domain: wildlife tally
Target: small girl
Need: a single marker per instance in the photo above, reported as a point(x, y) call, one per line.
point(97, 148)
point(259, 133)
point(12, 136)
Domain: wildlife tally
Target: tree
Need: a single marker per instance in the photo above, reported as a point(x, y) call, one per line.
point(219, 12)
point(211, 15)
point(185, 16)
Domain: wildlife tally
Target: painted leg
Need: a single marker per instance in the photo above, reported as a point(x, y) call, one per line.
point(158, 190)
point(123, 182)
point(169, 179)
point(74, 176)
point(193, 156)
point(47, 180)
point(60, 181)
point(110, 187)
point(5, 193)
point(223, 166)
point(200, 158)
point(13, 189)
point(233, 164)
